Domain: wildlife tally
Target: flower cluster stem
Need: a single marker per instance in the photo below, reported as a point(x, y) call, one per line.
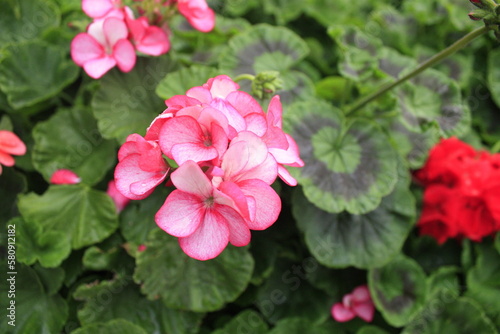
point(428, 63)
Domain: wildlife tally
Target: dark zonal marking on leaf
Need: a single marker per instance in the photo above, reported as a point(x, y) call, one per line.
point(390, 68)
point(352, 184)
point(401, 302)
point(246, 56)
point(354, 38)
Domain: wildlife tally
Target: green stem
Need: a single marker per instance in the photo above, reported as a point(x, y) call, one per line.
point(243, 77)
point(428, 63)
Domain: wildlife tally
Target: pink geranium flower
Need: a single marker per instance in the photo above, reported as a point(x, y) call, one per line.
point(102, 47)
point(204, 219)
point(100, 8)
point(150, 40)
point(64, 176)
point(140, 168)
point(357, 303)
point(120, 201)
point(198, 14)
point(10, 144)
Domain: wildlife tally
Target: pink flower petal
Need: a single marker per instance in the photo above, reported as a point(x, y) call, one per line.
point(342, 314)
point(190, 179)
point(6, 159)
point(10, 143)
point(155, 42)
point(181, 214)
point(256, 123)
point(364, 310)
point(200, 93)
point(96, 68)
point(361, 294)
point(239, 233)
point(96, 8)
point(114, 30)
point(244, 103)
point(267, 203)
point(84, 48)
point(193, 151)
point(275, 112)
point(285, 175)
point(210, 239)
point(221, 86)
point(236, 194)
point(198, 14)
point(120, 201)
point(124, 53)
point(64, 176)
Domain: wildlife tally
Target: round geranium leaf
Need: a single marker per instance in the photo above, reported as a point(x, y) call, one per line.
point(84, 151)
point(178, 82)
point(365, 241)
point(84, 215)
point(113, 326)
point(248, 322)
point(398, 289)
point(348, 166)
point(188, 284)
point(126, 103)
point(298, 325)
point(32, 72)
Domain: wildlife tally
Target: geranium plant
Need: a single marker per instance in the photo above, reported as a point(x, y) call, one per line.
point(257, 167)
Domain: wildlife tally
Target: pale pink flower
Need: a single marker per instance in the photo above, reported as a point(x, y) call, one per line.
point(64, 176)
point(140, 168)
point(150, 40)
point(100, 8)
point(120, 201)
point(198, 14)
point(102, 47)
point(204, 219)
point(357, 303)
point(10, 144)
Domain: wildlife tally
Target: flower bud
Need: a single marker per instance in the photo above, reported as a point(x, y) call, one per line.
point(478, 14)
point(265, 84)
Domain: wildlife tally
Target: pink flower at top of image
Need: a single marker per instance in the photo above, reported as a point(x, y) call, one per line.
point(198, 14)
point(64, 176)
point(10, 144)
point(104, 46)
point(99, 8)
point(228, 152)
point(358, 303)
point(120, 201)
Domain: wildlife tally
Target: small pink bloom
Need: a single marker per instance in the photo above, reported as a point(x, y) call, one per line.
point(10, 144)
point(150, 40)
point(203, 218)
point(357, 303)
point(64, 176)
point(141, 248)
point(120, 201)
point(102, 47)
point(198, 14)
point(140, 168)
point(99, 8)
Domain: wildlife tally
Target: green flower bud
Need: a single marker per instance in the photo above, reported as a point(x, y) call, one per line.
point(265, 84)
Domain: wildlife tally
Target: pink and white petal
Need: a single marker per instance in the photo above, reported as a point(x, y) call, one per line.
point(190, 178)
point(290, 156)
point(267, 171)
point(193, 151)
point(239, 200)
point(137, 28)
point(120, 201)
point(233, 116)
point(256, 123)
point(179, 130)
point(114, 30)
point(181, 101)
point(244, 103)
point(209, 240)
point(267, 203)
point(125, 56)
point(285, 175)
point(275, 112)
point(95, 29)
point(275, 138)
point(200, 93)
point(364, 310)
point(245, 152)
point(127, 149)
point(361, 294)
point(219, 139)
point(10, 143)
point(96, 68)
point(222, 86)
point(64, 176)
point(204, 22)
point(239, 233)
point(128, 175)
point(84, 48)
point(96, 8)
point(155, 42)
point(153, 131)
point(6, 159)
point(209, 115)
point(181, 214)
point(342, 314)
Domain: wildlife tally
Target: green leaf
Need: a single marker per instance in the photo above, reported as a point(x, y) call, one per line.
point(126, 103)
point(371, 330)
point(301, 325)
point(451, 316)
point(284, 10)
point(188, 284)
point(32, 72)
point(49, 248)
point(113, 326)
point(51, 278)
point(121, 299)
point(263, 48)
point(444, 280)
point(11, 184)
point(22, 20)
point(84, 151)
point(364, 241)
point(84, 215)
point(483, 280)
point(248, 322)
point(178, 82)
point(348, 166)
point(36, 310)
point(287, 293)
point(398, 290)
point(493, 76)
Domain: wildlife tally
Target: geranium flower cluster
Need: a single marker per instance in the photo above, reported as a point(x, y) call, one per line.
point(462, 194)
point(115, 35)
point(228, 152)
point(358, 303)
